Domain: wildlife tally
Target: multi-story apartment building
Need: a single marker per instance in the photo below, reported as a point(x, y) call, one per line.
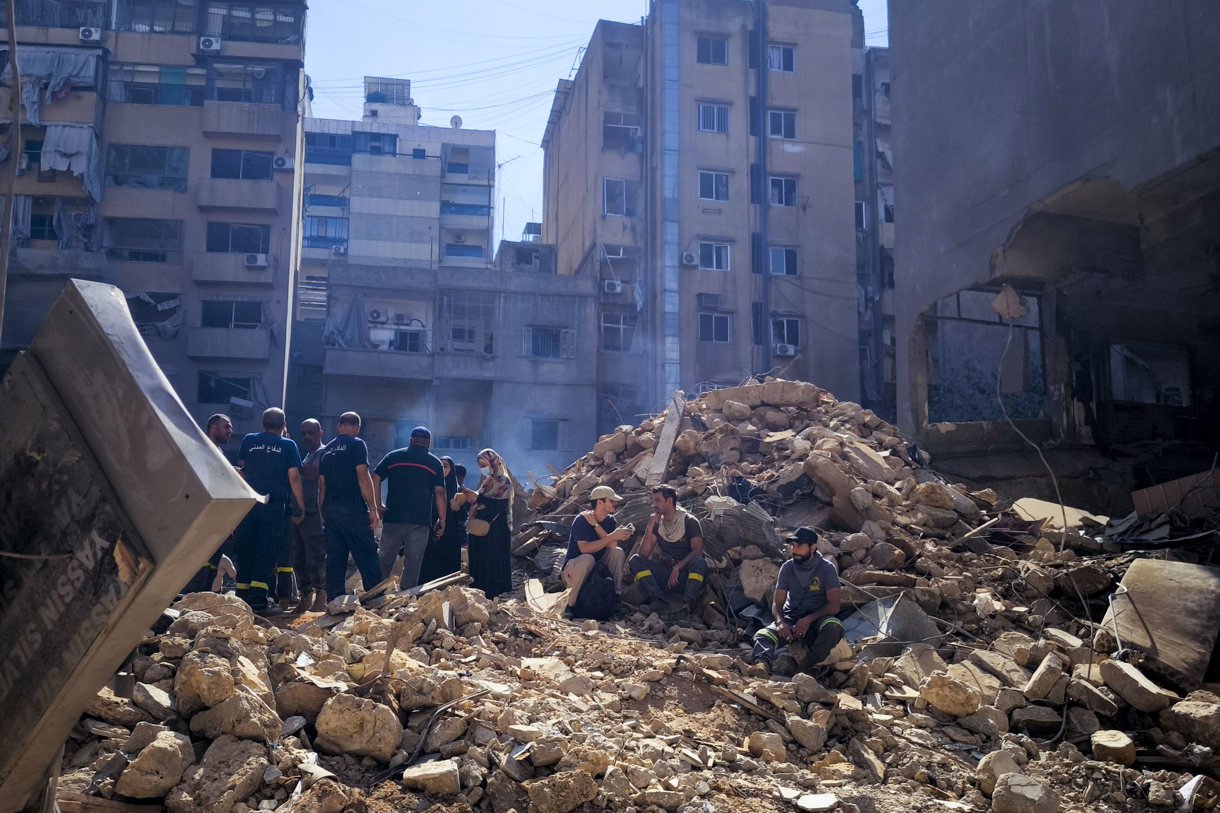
point(404, 315)
point(874, 175)
point(699, 166)
point(159, 145)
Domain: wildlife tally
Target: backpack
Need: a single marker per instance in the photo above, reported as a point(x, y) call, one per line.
point(597, 599)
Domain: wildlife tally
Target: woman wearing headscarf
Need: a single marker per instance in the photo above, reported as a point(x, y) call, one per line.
point(490, 555)
point(444, 554)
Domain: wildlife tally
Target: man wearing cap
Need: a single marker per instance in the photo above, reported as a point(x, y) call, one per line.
point(805, 604)
point(415, 505)
point(594, 540)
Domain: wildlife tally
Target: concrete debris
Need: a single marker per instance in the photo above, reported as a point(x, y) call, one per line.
point(451, 702)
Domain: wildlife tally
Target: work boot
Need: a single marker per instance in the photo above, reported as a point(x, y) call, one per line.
point(319, 601)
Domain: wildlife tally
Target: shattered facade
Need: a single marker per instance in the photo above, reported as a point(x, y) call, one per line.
point(1076, 165)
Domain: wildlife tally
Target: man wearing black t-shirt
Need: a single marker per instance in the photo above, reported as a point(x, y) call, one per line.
point(671, 552)
point(594, 540)
point(271, 465)
point(415, 505)
point(347, 507)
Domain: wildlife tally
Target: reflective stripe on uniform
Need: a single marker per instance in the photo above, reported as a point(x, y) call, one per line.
point(829, 620)
point(769, 634)
point(283, 570)
point(243, 585)
point(642, 574)
point(696, 576)
point(262, 585)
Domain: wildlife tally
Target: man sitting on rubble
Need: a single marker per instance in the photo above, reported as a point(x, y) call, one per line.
point(671, 553)
point(594, 540)
point(805, 604)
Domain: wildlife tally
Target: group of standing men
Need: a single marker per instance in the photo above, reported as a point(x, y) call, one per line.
point(320, 510)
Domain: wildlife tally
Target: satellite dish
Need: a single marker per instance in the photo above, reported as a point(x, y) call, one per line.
point(456, 122)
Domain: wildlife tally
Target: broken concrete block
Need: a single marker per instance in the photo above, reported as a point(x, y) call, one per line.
point(809, 734)
point(950, 695)
point(1039, 720)
point(242, 715)
point(991, 767)
point(1002, 666)
point(1017, 793)
point(1087, 579)
point(1131, 685)
point(1044, 677)
point(1092, 698)
point(441, 776)
point(885, 556)
point(350, 724)
point(934, 494)
point(203, 680)
point(561, 792)
point(758, 579)
point(231, 770)
point(1197, 717)
point(157, 768)
point(1113, 746)
point(768, 746)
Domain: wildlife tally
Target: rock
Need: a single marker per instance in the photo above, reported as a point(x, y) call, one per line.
point(808, 690)
point(1197, 717)
point(817, 802)
point(1081, 721)
point(1129, 683)
point(885, 556)
point(950, 695)
point(154, 700)
point(231, 770)
point(991, 767)
point(561, 792)
point(810, 735)
point(988, 721)
point(157, 768)
point(592, 760)
point(305, 695)
point(203, 680)
point(444, 731)
point(106, 705)
point(429, 689)
point(1001, 666)
point(1038, 720)
point(1044, 677)
point(934, 494)
point(1087, 579)
point(1113, 746)
point(578, 684)
point(548, 751)
point(242, 716)
point(758, 579)
point(823, 471)
point(669, 800)
point(768, 746)
point(1016, 793)
point(735, 411)
point(350, 724)
point(441, 776)
point(1092, 698)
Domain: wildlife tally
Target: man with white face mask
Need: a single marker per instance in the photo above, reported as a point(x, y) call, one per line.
point(805, 604)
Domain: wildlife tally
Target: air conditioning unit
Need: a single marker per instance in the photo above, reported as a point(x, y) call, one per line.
point(785, 350)
point(612, 286)
point(689, 258)
point(400, 318)
point(339, 251)
point(210, 45)
point(707, 300)
point(256, 261)
point(90, 34)
point(377, 316)
point(282, 163)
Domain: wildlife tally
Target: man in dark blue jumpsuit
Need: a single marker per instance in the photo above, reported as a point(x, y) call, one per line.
point(348, 508)
point(271, 465)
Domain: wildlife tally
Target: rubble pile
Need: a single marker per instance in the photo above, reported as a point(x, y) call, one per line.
point(1010, 698)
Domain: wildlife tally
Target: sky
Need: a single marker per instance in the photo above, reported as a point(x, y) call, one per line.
point(495, 63)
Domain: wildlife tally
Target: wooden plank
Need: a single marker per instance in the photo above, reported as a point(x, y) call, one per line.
point(665, 444)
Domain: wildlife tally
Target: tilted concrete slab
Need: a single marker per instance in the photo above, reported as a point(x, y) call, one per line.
point(1171, 612)
point(110, 499)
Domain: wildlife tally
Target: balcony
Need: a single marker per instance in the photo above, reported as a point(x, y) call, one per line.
point(238, 196)
point(465, 366)
point(391, 364)
point(216, 268)
point(245, 119)
point(228, 343)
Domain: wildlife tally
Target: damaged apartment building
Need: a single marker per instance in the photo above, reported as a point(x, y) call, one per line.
point(699, 169)
point(405, 316)
point(1067, 151)
point(158, 145)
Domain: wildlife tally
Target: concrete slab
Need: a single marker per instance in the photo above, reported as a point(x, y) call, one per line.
point(1171, 612)
point(112, 498)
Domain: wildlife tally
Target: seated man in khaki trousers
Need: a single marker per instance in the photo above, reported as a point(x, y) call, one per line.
point(594, 539)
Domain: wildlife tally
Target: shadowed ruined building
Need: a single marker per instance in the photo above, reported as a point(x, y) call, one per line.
point(1067, 150)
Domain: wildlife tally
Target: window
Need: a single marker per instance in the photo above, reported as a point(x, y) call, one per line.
point(714, 256)
point(171, 85)
point(323, 199)
point(861, 215)
point(781, 123)
point(715, 327)
point(713, 117)
point(410, 341)
point(466, 318)
point(135, 166)
point(544, 433)
point(328, 148)
point(621, 131)
point(463, 250)
point(619, 197)
point(244, 165)
point(42, 227)
point(781, 58)
point(243, 314)
point(617, 330)
point(375, 143)
point(783, 261)
point(548, 342)
point(238, 238)
point(244, 22)
point(419, 153)
point(154, 16)
point(143, 241)
point(783, 191)
point(155, 313)
point(458, 162)
point(786, 331)
point(465, 199)
point(713, 185)
point(713, 51)
point(324, 232)
point(215, 388)
point(454, 443)
point(260, 84)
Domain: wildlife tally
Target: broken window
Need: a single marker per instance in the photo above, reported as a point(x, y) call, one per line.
point(155, 313)
point(135, 166)
point(245, 165)
point(217, 388)
point(969, 346)
point(621, 131)
point(155, 16)
point(143, 240)
point(617, 330)
point(1146, 373)
point(544, 433)
point(618, 405)
point(172, 85)
point(545, 342)
point(242, 314)
point(238, 238)
point(263, 22)
point(619, 197)
point(466, 321)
